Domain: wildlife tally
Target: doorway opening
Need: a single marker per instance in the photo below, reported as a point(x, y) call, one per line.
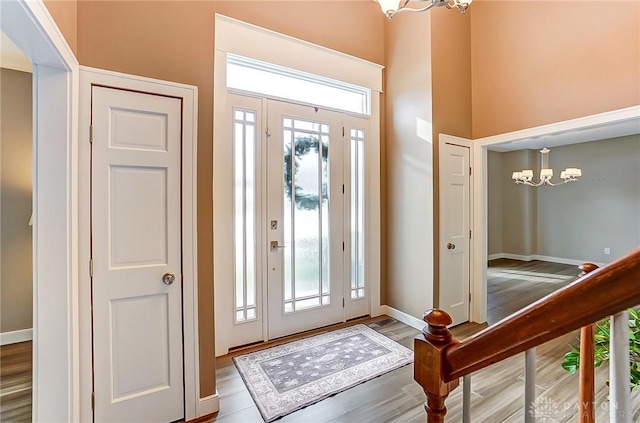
point(16, 251)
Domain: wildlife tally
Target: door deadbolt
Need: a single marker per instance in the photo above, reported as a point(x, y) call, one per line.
point(168, 278)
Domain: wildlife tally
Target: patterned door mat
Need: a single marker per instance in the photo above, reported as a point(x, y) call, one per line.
point(288, 377)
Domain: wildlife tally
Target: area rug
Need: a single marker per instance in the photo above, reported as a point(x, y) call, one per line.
point(288, 377)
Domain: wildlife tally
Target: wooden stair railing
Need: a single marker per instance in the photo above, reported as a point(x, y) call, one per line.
point(440, 360)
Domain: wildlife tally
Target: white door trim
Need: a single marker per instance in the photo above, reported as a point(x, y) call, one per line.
point(474, 290)
point(479, 192)
point(55, 179)
point(189, 95)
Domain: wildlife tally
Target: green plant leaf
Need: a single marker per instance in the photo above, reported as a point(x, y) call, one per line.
point(602, 336)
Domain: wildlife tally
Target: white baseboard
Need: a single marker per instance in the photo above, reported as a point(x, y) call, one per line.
point(567, 261)
point(209, 405)
point(16, 336)
point(551, 259)
point(403, 317)
point(510, 256)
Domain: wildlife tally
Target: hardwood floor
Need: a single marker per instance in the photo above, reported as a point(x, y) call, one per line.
point(513, 284)
point(15, 382)
point(497, 392)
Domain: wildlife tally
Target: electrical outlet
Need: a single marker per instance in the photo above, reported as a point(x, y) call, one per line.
point(607, 250)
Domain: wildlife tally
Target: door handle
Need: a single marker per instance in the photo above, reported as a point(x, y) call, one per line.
point(451, 246)
point(168, 278)
point(275, 246)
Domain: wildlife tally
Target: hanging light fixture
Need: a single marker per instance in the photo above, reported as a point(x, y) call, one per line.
point(392, 7)
point(525, 177)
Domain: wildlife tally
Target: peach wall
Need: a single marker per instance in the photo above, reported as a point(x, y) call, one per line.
point(65, 13)
point(451, 72)
point(538, 62)
point(408, 218)
point(174, 40)
point(451, 97)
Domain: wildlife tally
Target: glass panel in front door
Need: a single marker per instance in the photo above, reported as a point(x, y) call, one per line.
point(306, 214)
point(357, 213)
point(244, 176)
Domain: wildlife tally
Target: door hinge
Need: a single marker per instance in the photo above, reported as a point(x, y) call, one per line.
point(266, 132)
point(343, 188)
point(469, 296)
point(93, 400)
point(469, 234)
point(342, 302)
point(342, 245)
point(90, 268)
point(469, 170)
point(90, 133)
point(343, 131)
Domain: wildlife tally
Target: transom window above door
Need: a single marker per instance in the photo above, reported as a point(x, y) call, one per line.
point(255, 76)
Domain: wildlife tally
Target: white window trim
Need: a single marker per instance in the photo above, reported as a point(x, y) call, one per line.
point(271, 68)
point(239, 38)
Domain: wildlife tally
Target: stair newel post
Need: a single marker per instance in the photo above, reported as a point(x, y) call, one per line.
point(428, 370)
point(586, 387)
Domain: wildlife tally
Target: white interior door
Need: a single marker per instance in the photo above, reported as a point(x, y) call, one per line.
point(136, 254)
point(305, 209)
point(454, 232)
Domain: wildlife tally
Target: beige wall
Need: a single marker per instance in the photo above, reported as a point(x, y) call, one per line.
point(65, 13)
point(538, 62)
point(519, 203)
point(409, 170)
point(15, 201)
point(602, 210)
point(575, 221)
point(451, 97)
point(174, 40)
point(495, 181)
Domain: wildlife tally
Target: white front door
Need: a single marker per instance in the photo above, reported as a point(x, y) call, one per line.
point(305, 203)
point(136, 254)
point(454, 232)
point(292, 175)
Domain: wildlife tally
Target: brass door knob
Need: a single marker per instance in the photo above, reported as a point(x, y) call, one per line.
point(168, 278)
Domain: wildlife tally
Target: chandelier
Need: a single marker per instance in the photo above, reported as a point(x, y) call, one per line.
point(392, 7)
point(525, 177)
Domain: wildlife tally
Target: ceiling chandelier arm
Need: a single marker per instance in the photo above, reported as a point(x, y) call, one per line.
point(391, 8)
point(460, 5)
point(403, 8)
point(531, 184)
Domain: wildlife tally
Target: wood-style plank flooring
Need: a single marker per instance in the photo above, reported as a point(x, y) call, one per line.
point(15, 382)
point(513, 284)
point(497, 392)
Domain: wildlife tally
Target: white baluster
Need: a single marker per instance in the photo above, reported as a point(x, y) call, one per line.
point(619, 378)
point(530, 385)
point(466, 399)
